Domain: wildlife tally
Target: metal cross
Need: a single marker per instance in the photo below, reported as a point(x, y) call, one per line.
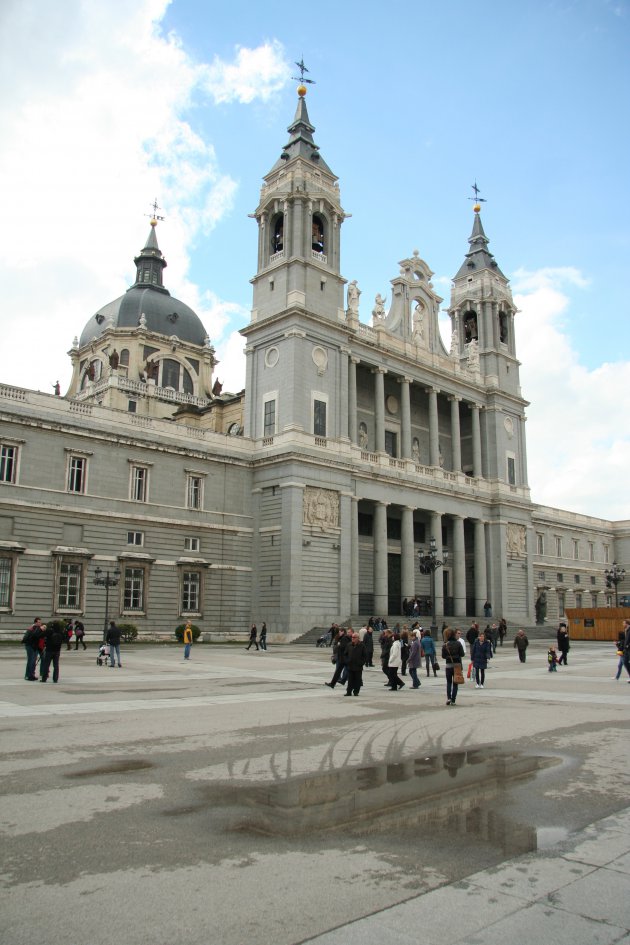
point(154, 215)
point(477, 198)
point(302, 69)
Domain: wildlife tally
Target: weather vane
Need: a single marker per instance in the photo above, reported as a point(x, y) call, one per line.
point(302, 69)
point(154, 215)
point(477, 198)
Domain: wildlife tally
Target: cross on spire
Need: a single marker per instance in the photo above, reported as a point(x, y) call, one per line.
point(154, 216)
point(476, 191)
point(302, 69)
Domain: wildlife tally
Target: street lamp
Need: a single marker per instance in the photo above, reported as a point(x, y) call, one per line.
point(615, 576)
point(106, 580)
point(429, 563)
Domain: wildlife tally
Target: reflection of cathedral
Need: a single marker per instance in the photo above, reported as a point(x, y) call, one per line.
point(306, 497)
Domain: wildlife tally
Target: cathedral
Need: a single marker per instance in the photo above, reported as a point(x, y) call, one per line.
point(358, 450)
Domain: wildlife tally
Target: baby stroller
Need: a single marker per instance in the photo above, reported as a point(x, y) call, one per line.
point(323, 640)
point(103, 654)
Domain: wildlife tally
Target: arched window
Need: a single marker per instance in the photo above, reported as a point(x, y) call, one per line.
point(92, 373)
point(176, 376)
point(124, 357)
point(470, 327)
point(318, 242)
point(277, 234)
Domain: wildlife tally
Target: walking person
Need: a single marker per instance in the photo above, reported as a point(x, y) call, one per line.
point(188, 639)
point(502, 630)
point(481, 652)
point(427, 645)
point(340, 646)
point(368, 646)
point(563, 644)
point(79, 635)
point(521, 643)
point(394, 662)
point(253, 637)
point(621, 642)
point(355, 658)
point(54, 638)
point(113, 638)
point(404, 650)
point(262, 639)
point(414, 659)
point(626, 646)
point(452, 656)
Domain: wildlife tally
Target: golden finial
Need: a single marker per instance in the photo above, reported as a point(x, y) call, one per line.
point(154, 216)
point(478, 200)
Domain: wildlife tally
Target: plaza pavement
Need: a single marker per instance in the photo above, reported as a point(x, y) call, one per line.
point(235, 799)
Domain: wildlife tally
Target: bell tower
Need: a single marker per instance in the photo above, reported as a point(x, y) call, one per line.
point(299, 220)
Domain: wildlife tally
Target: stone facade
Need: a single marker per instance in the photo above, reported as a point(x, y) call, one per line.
point(305, 498)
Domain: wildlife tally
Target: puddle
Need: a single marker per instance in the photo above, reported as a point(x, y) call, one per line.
point(115, 767)
point(448, 793)
point(548, 837)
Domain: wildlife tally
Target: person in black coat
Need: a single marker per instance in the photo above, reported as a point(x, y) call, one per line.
point(368, 647)
point(113, 638)
point(343, 642)
point(452, 655)
point(355, 658)
point(55, 638)
point(563, 644)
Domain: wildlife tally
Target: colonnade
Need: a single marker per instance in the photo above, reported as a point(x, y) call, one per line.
point(409, 563)
point(405, 420)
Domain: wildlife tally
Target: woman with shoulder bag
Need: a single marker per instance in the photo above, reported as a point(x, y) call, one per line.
point(452, 656)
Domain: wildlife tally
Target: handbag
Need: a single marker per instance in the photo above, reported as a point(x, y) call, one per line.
point(469, 673)
point(458, 675)
point(436, 666)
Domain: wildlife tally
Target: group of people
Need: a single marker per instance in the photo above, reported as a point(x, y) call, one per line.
point(259, 640)
point(43, 644)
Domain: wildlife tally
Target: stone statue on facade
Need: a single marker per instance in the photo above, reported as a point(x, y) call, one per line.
point(321, 507)
point(418, 323)
point(516, 537)
point(378, 312)
point(541, 607)
point(415, 450)
point(114, 360)
point(363, 436)
point(353, 298)
point(473, 355)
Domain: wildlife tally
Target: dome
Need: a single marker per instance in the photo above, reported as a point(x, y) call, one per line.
point(163, 313)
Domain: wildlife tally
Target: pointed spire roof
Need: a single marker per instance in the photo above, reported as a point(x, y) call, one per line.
point(479, 256)
point(150, 263)
point(301, 143)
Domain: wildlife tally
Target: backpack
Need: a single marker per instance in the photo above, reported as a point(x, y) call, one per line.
point(404, 650)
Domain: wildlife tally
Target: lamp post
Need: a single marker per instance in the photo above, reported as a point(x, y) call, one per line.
point(106, 580)
point(615, 576)
point(429, 563)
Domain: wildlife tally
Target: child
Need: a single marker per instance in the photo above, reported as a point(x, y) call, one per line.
point(552, 659)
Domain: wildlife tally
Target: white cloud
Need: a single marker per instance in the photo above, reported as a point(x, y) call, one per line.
point(92, 124)
point(578, 442)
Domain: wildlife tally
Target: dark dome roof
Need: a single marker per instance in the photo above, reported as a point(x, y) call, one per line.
point(148, 296)
point(164, 314)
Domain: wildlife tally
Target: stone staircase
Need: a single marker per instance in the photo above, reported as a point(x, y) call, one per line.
point(546, 632)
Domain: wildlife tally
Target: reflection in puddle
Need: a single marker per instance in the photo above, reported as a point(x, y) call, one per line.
point(550, 836)
point(450, 793)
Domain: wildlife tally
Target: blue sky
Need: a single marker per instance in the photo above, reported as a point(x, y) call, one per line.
point(111, 105)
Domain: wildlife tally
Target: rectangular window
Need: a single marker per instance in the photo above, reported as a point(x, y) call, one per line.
point(576, 549)
point(394, 527)
point(69, 591)
point(511, 470)
point(593, 579)
point(559, 578)
point(134, 589)
point(139, 483)
point(269, 421)
point(77, 469)
point(5, 582)
point(558, 546)
point(541, 575)
point(365, 524)
point(8, 462)
point(319, 417)
point(606, 554)
point(540, 543)
point(391, 443)
point(578, 599)
point(191, 591)
point(419, 533)
point(194, 492)
point(591, 551)
point(191, 544)
point(135, 538)
point(576, 578)
point(594, 599)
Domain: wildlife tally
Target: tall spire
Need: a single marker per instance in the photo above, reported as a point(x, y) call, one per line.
point(150, 263)
point(479, 257)
point(301, 143)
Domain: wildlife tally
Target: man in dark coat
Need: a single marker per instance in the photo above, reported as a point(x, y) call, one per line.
point(31, 645)
point(113, 638)
point(342, 645)
point(355, 656)
point(55, 638)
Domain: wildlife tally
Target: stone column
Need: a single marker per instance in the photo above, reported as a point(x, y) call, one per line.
point(343, 408)
point(476, 441)
point(456, 434)
point(436, 532)
point(481, 573)
point(354, 557)
point(459, 567)
point(407, 564)
point(380, 558)
point(353, 426)
point(405, 409)
point(434, 439)
point(379, 409)
point(292, 517)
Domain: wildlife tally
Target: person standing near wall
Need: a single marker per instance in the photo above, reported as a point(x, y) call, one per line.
point(113, 638)
point(262, 639)
point(188, 639)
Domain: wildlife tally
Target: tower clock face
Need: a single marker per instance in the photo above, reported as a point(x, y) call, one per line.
point(234, 429)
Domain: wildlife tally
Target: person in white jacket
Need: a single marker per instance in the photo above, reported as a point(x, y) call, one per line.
point(393, 665)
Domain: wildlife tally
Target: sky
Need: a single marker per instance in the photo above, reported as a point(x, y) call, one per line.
point(108, 105)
